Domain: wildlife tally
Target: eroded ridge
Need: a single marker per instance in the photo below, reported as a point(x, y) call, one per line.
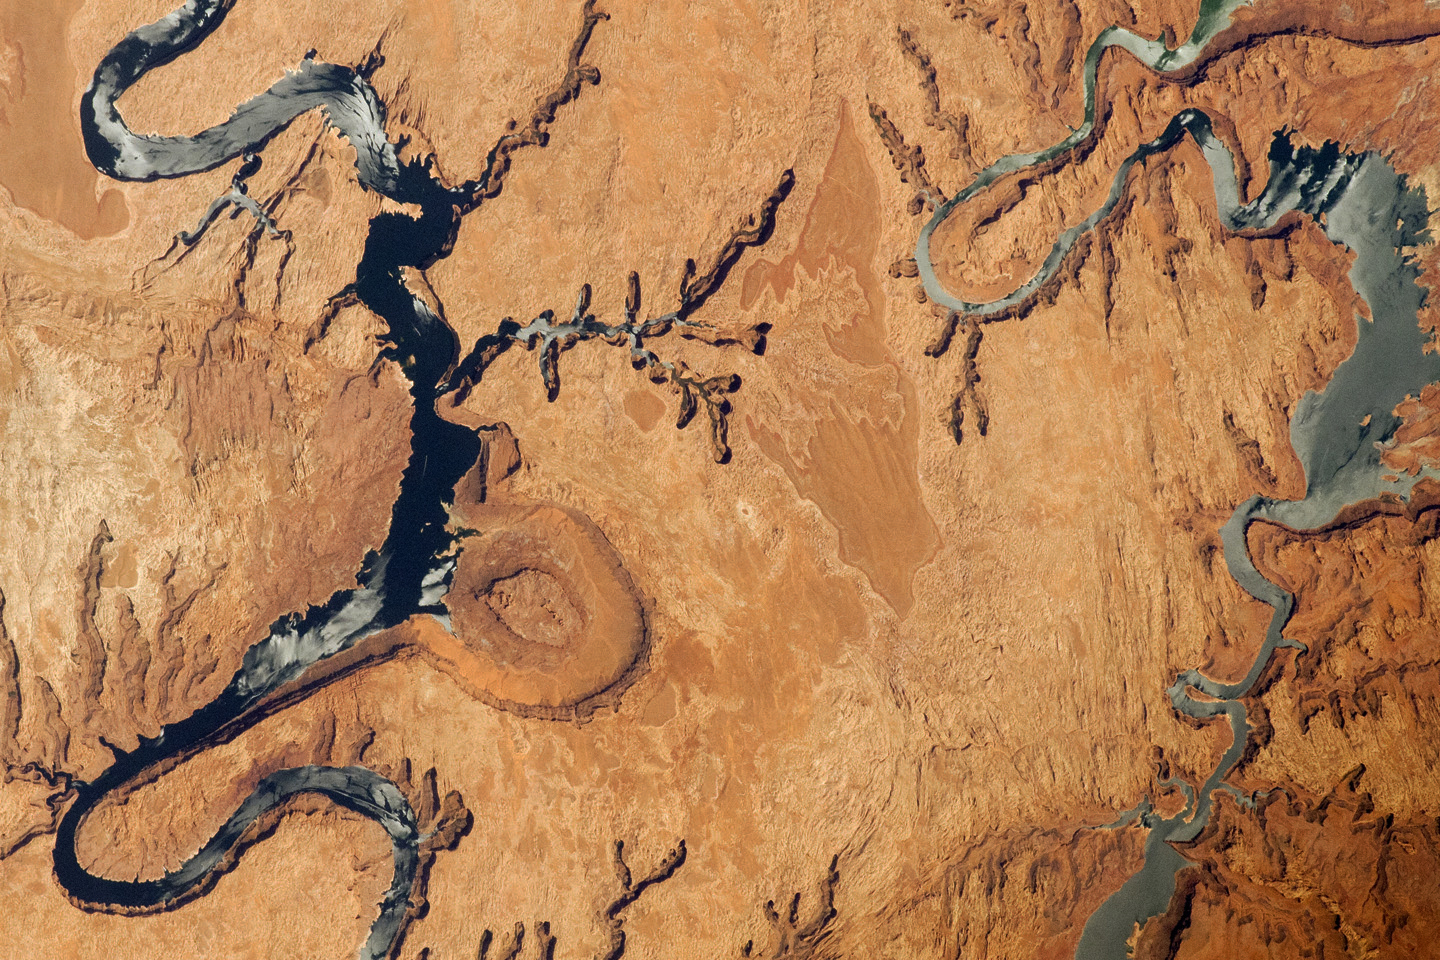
point(1339, 435)
point(610, 915)
point(630, 891)
point(412, 573)
point(794, 938)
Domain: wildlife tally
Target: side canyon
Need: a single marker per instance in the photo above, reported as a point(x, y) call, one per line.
point(601, 478)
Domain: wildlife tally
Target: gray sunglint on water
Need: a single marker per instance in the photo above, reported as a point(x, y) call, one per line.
point(412, 570)
point(1338, 434)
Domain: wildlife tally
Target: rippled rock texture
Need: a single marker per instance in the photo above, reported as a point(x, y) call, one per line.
point(877, 654)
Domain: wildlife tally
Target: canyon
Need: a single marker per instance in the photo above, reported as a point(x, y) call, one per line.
point(601, 478)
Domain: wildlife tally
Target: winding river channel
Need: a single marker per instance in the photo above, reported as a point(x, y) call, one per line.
point(411, 571)
point(1364, 206)
point(1360, 200)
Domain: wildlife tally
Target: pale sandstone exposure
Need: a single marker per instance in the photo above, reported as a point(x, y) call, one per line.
point(900, 676)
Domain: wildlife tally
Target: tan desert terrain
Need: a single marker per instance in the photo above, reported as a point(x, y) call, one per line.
point(874, 655)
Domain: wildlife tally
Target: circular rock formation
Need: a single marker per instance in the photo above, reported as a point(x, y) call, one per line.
point(546, 619)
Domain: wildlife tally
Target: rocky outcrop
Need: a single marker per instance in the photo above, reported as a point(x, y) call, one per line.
point(547, 621)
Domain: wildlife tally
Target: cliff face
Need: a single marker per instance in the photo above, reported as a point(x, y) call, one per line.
point(871, 657)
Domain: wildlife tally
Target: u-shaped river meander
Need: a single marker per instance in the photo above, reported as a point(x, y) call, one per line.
point(1362, 202)
point(1338, 434)
point(411, 571)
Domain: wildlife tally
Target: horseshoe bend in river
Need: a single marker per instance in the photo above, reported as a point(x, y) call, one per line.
point(411, 572)
point(1336, 434)
point(1363, 205)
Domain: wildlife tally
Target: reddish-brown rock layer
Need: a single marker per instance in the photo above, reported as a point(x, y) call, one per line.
point(898, 676)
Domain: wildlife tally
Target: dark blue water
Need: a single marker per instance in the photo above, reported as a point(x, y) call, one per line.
point(410, 573)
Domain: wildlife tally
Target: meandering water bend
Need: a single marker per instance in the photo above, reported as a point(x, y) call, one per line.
point(411, 572)
point(1338, 434)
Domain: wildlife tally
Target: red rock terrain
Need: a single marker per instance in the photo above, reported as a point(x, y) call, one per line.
point(873, 686)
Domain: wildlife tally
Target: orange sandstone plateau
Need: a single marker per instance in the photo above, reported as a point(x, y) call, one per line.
point(1046, 565)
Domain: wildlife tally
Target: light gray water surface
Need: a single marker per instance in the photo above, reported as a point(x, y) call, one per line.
point(1338, 434)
